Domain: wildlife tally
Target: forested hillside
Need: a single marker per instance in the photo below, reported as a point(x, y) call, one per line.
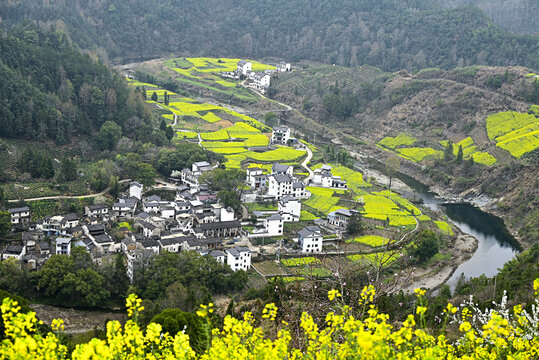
point(517, 16)
point(50, 91)
point(388, 34)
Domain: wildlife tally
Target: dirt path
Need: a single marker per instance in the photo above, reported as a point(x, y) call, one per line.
point(305, 166)
point(67, 196)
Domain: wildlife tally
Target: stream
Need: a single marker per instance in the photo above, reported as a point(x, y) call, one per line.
point(496, 246)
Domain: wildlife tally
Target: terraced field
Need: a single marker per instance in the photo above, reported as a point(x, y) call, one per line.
point(322, 199)
point(309, 260)
point(397, 141)
point(371, 240)
point(515, 132)
point(469, 149)
point(444, 227)
point(353, 178)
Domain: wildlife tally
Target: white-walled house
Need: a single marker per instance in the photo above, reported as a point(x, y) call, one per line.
point(238, 258)
point(340, 217)
point(274, 225)
point(244, 67)
point(96, 210)
point(299, 191)
point(284, 67)
point(281, 169)
point(256, 178)
point(218, 255)
point(135, 190)
point(14, 251)
point(323, 178)
point(262, 81)
point(20, 215)
point(310, 239)
point(290, 208)
point(226, 214)
point(280, 135)
point(63, 246)
point(280, 185)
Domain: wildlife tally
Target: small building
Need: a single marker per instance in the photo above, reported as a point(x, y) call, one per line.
point(274, 225)
point(262, 81)
point(173, 244)
point(280, 185)
point(244, 67)
point(290, 208)
point(284, 67)
point(310, 239)
point(281, 169)
point(256, 178)
point(125, 208)
point(219, 229)
point(238, 258)
point(96, 210)
point(280, 135)
point(138, 259)
point(323, 177)
point(20, 215)
point(135, 190)
point(63, 245)
point(340, 217)
point(201, 167)
point(218, 255)
point(226, 214)
point(14, 251)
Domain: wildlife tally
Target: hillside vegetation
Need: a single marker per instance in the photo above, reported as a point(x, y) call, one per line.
point(389, 34)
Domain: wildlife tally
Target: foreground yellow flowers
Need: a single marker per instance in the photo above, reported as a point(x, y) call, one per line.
point(502, 335)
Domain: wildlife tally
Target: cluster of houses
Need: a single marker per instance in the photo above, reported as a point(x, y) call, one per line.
point(142, 226)
point(259, 80)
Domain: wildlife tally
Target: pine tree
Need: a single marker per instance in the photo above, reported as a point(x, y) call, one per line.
point(169, 133)
point(144, 94)
point(448, 152)
point(154, 96)
point(166, 98)
point(460, 154)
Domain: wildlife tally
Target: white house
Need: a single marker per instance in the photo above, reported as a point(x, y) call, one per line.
point(151, 207)
point(200, 167)
point(244, 67)
point(238, 258)
point(340, 217)
point(20, 215)
point(299, 191)
point(280, 185)
point(284, 67)
point(63, 246)
point(280, 135)
point(218, 255)
point(173, 244)
point(262, 81)
point(281, 169)
point(226, 214)
point(125, 207)
point(97, 210)
point(135, 190)
point(274, 225)
point(290, 208)
point(323, 178)
point(256, 178)
point(14, 251)
point(310, 239)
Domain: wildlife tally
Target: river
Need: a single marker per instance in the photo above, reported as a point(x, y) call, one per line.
point(496, 246)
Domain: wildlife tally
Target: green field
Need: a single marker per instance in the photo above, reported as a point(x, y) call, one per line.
point(371, 240)
point(306, 216)
point(384, 258)
point(515, 132)
point(399, 140)
point(444, 227)
point(300, 261)
point(419, 154)
point(322, 199)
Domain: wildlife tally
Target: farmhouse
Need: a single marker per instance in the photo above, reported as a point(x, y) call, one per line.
point(14, 251)
point(324, 178)
point(63, 245)
point(340, 217)
point(284, 67)
point(125, 207)
point(219, 229)
point(135, 190)
point(310, 239)
point(280, 135)
point(20, 215)
point(290, 208)
point(280, 185)
point(261, 81)
point(238, 258)
point(97, 210)
point(244, 67)
point(256, 178)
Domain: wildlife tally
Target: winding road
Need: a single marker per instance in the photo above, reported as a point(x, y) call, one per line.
point(55, 197)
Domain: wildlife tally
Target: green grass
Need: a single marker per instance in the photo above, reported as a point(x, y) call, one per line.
point(371, 240)
point(307, 216)
point(300, 261)
point(400, 140)
point(261, 207)
point(444, 227)
point(313, 271)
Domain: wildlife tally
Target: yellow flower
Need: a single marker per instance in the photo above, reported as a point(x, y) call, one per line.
point(421, 310)
point(269, 312)
point(420, 292)
point(332, 294)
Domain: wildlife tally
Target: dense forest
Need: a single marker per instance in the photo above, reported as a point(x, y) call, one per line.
point(517, 16)
point(387, 34)
point(50, 91)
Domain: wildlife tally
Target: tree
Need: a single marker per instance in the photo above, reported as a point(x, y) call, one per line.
point(166, 98)
point(146, 174)
point(154, 96)
point(108, 135)
point(425, 246)
point(46, 168)
point(271, 119)
point(229, 198)
point(174, 321)
point(114, 186)
point(169, 133)
point(5, 223)
point(355, 226)
point(68, 170)
point(460, 154)
point(448, 152)
point(392, 166)
point(163, 125)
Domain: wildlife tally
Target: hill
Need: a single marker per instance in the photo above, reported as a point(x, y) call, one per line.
point(387, 34)
point(486, 110)
point(50, 91)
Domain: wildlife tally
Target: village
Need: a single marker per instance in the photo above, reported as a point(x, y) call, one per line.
point(193, 221)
